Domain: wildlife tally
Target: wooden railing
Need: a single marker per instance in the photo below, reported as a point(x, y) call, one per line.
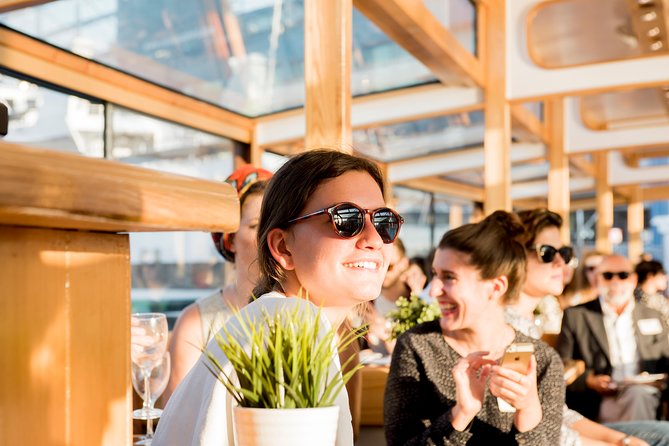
point(65, 286)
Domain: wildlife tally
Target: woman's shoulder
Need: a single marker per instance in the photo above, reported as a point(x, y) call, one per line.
point(545, 354)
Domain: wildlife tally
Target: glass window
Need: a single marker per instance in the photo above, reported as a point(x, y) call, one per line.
point(459, 17)
point(244, 55)
point(426, 218)
point(421, 137)
point(171, 269)
point(45, 118)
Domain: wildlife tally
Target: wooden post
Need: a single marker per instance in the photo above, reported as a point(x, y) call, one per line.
point(635, 224)
point(455, 216)
point(558, 175)
point(497, 140)
point(65, 302)
point(327, 73)
point(604, 198)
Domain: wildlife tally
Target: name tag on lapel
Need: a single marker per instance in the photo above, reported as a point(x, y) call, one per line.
point(650, 326)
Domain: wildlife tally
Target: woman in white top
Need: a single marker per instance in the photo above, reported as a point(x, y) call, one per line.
point(324, 230)
point(203, 318)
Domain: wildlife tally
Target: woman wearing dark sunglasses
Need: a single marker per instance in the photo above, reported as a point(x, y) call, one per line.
point(325, 232)
point(444, 379)
point(544, 277)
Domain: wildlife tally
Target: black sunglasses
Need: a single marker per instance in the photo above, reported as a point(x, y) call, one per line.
point(546, 253)
point(622, 275)
point(348, 220)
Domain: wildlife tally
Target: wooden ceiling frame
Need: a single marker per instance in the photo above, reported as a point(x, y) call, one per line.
point(412, 26)
point(39, 60)
point(12, 5)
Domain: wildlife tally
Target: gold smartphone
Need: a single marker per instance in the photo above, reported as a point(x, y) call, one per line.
point(517, 357)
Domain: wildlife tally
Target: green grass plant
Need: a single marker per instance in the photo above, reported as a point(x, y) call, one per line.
point(281, 359)
point(411, 312)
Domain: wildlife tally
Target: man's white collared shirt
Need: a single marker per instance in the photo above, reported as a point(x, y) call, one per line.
point(622, 340)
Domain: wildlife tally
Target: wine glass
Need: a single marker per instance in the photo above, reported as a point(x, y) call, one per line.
point(147, 349)
point(157, 381)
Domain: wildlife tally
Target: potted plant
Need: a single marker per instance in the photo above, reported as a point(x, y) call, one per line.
point(284, 381)
point(411, 312)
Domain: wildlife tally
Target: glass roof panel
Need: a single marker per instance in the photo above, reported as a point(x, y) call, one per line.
point(459, 17)
point(243, 55)
point(422, 137)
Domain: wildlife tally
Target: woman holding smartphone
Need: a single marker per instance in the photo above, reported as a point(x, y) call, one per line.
point(324, 231)
point(445, 381)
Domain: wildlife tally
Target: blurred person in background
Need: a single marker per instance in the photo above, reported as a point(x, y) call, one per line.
point(201, 319)
point(403, 279)
point(618, 339)
point(651, 286)
point(583, 288)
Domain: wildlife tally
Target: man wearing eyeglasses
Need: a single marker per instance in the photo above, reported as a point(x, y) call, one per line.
point(624, 346)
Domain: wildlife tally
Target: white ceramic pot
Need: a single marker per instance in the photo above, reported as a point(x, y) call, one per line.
point(289, 427)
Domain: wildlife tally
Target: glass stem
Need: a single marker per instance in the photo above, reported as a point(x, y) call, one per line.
point(147, 390)
point(149, 428)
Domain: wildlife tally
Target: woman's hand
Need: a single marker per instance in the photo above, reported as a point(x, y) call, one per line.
point(470, 375)
point(521, 392)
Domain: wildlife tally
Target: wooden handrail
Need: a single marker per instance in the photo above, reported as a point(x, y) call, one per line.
point(45, 188)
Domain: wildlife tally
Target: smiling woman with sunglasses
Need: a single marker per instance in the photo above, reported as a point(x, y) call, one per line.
point(324, 231)
point(544, 268)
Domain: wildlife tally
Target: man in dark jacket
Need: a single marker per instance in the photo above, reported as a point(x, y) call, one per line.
point(618, 340)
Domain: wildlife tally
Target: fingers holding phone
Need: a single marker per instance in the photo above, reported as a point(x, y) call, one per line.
point(515, 379)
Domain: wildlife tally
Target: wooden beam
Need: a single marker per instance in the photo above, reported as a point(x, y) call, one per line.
point(591, 203)
point(256, 150)
point(497, 140)
point(412, 26)
point(42, 61)
point(327, 73)
point(374, 110)
point(558, 175)
point(529, 203)
point(658, 193)
point(526, 119)
point(582, 164)
point(445, 187)
point(455, 216)
point(12, 5)
point(65, 337)
point(45, 188)
point(604, 198)
point(635, 225)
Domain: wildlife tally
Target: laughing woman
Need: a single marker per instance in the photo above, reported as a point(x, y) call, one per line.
point(444, 378)
point(323, 230)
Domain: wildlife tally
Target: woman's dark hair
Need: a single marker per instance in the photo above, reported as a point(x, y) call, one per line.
point(535, 221)
point(646, 269)
point(492, 248)
point(287, 194)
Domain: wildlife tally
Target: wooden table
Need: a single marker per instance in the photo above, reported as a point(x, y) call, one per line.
point(373, 387)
